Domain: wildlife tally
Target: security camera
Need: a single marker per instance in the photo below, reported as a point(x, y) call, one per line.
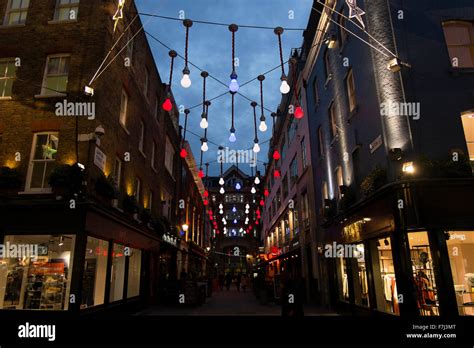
point(99, 131)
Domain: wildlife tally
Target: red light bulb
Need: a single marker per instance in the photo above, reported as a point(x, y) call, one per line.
point(167, 106)
point(206, 202)
point(206, 193)
point(299, 112)
point(276, 173)
point(201, 174)
point(183, 153)
point(266, 193)
point(262, 203)
point(276, 155)
point(256, 222)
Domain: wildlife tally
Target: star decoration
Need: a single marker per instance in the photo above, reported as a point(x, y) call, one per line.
point(355, 12)
point(119, 13)
point(48, 152)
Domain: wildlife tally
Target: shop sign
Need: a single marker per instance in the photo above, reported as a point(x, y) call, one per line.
point(274, 250)
point(170, 240)
point(375, 144)
point(295, 244)
point(353, 231)
point(43, 250)
point(99, 159)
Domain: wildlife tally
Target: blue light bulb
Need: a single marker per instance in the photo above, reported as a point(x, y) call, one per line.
point(233, 85)
point(234, 209)
point(237, 186)
point(235, 221)
point(232, 137)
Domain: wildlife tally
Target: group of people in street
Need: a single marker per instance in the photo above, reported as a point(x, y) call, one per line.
point(240, 280)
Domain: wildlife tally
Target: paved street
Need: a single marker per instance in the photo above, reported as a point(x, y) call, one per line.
point(231, 303)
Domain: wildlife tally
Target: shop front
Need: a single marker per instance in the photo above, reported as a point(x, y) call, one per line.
point(80, 261)
point(408, 250)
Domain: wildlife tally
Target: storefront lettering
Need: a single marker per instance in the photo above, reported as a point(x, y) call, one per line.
point(18, 250)
point(352, 231)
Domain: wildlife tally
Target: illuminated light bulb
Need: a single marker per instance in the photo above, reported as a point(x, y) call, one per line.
point(246, 211)
point(256, 222)
point(276, 173)
point(234, 209)
point(183, 153)
point(221, 181)
point(222, 191)
point(266, 193)
point(235, 221)
point(206, 194)
point(203, 124)
point(221, 206)
point(186, 81)
point(237, 186)
point(263, 126)
point(299, 112)
point(204, 146)
point(257, 180)
point(233, 85)
point(221, 212)
point(232, 137)
point(206, 202)
point(262, 203)
point(256, 148)
point(253, 190)
point(247, 206)
point(284, 87)
point(167, 106)
point(201, 174)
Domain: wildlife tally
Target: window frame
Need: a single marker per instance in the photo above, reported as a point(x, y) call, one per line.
point(9, 11)
point(123, 113)
point(141, 139)
point(54, 93)
point(351, 91)
point(7, 60)
point(70, 5)
point(332, 120)
point(460, 23)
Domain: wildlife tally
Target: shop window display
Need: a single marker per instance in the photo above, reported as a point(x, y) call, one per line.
point(385, 282)
point(461, 257)
point(95, 271)
point(117, 279)
point(361, 287)
point(423, 273)
point(134, 272)
point(40, 280)
point(343, 279)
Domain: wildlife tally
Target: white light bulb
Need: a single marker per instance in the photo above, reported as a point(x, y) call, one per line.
point(203, 124)
point(221, 212)
point(284, 87)
point(222, 191)
point(263, 126)
point(232, 137)
point(221, 206)
point(257, 180)
point(256, 148)
point(204, 147)
point(221, 181)
point(246, 211)
point(253, 190)
point(186, 81)
point(247, 206)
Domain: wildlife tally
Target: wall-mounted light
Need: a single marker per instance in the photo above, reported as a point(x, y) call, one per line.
point(408, 167)
point(396, 154)
point(331, 41)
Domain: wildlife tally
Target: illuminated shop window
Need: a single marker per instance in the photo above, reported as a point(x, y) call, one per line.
point(134, 272)
point(95, 272)
point(117, 279)
point(38, 276)
point(461, 259)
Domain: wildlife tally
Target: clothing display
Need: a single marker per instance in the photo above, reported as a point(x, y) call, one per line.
point(345, 287)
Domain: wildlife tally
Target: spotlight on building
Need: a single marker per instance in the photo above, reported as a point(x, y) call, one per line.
point(395, 65)
point(408, 167)
point(89, 91)
point(331, 41)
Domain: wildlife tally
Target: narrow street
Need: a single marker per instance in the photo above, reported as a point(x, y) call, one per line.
point(228, 303)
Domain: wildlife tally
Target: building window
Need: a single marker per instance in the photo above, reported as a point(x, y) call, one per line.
point(327, 67)
point(141, 141)
point(37, 282)
point(42, 160)
point(153, 149)
point(7, 75)
point(305, 209)
point(461, 257)
point(320, 142)
point(66, 10)
point(294, 170)
point(332, 120)
point(278, 199)
point(123, 108)
point(169, 156)
point(468, 125)
point(283, 149)
point(303, 154)
point(325, 191)
point(285, 186)
point(117, 172)
point(134, 272)
point(361, 284)
point(459, 37)
point(56, 75)
point(339, 180)
point(343, 279)
point(95, 272)
point(315, 92)
point(136, 190)
point(351, 95)
point(292, 128)
point(117, 279)
point(16, 12)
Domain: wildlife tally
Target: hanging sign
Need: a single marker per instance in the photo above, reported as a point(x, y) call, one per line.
point(99, 159)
